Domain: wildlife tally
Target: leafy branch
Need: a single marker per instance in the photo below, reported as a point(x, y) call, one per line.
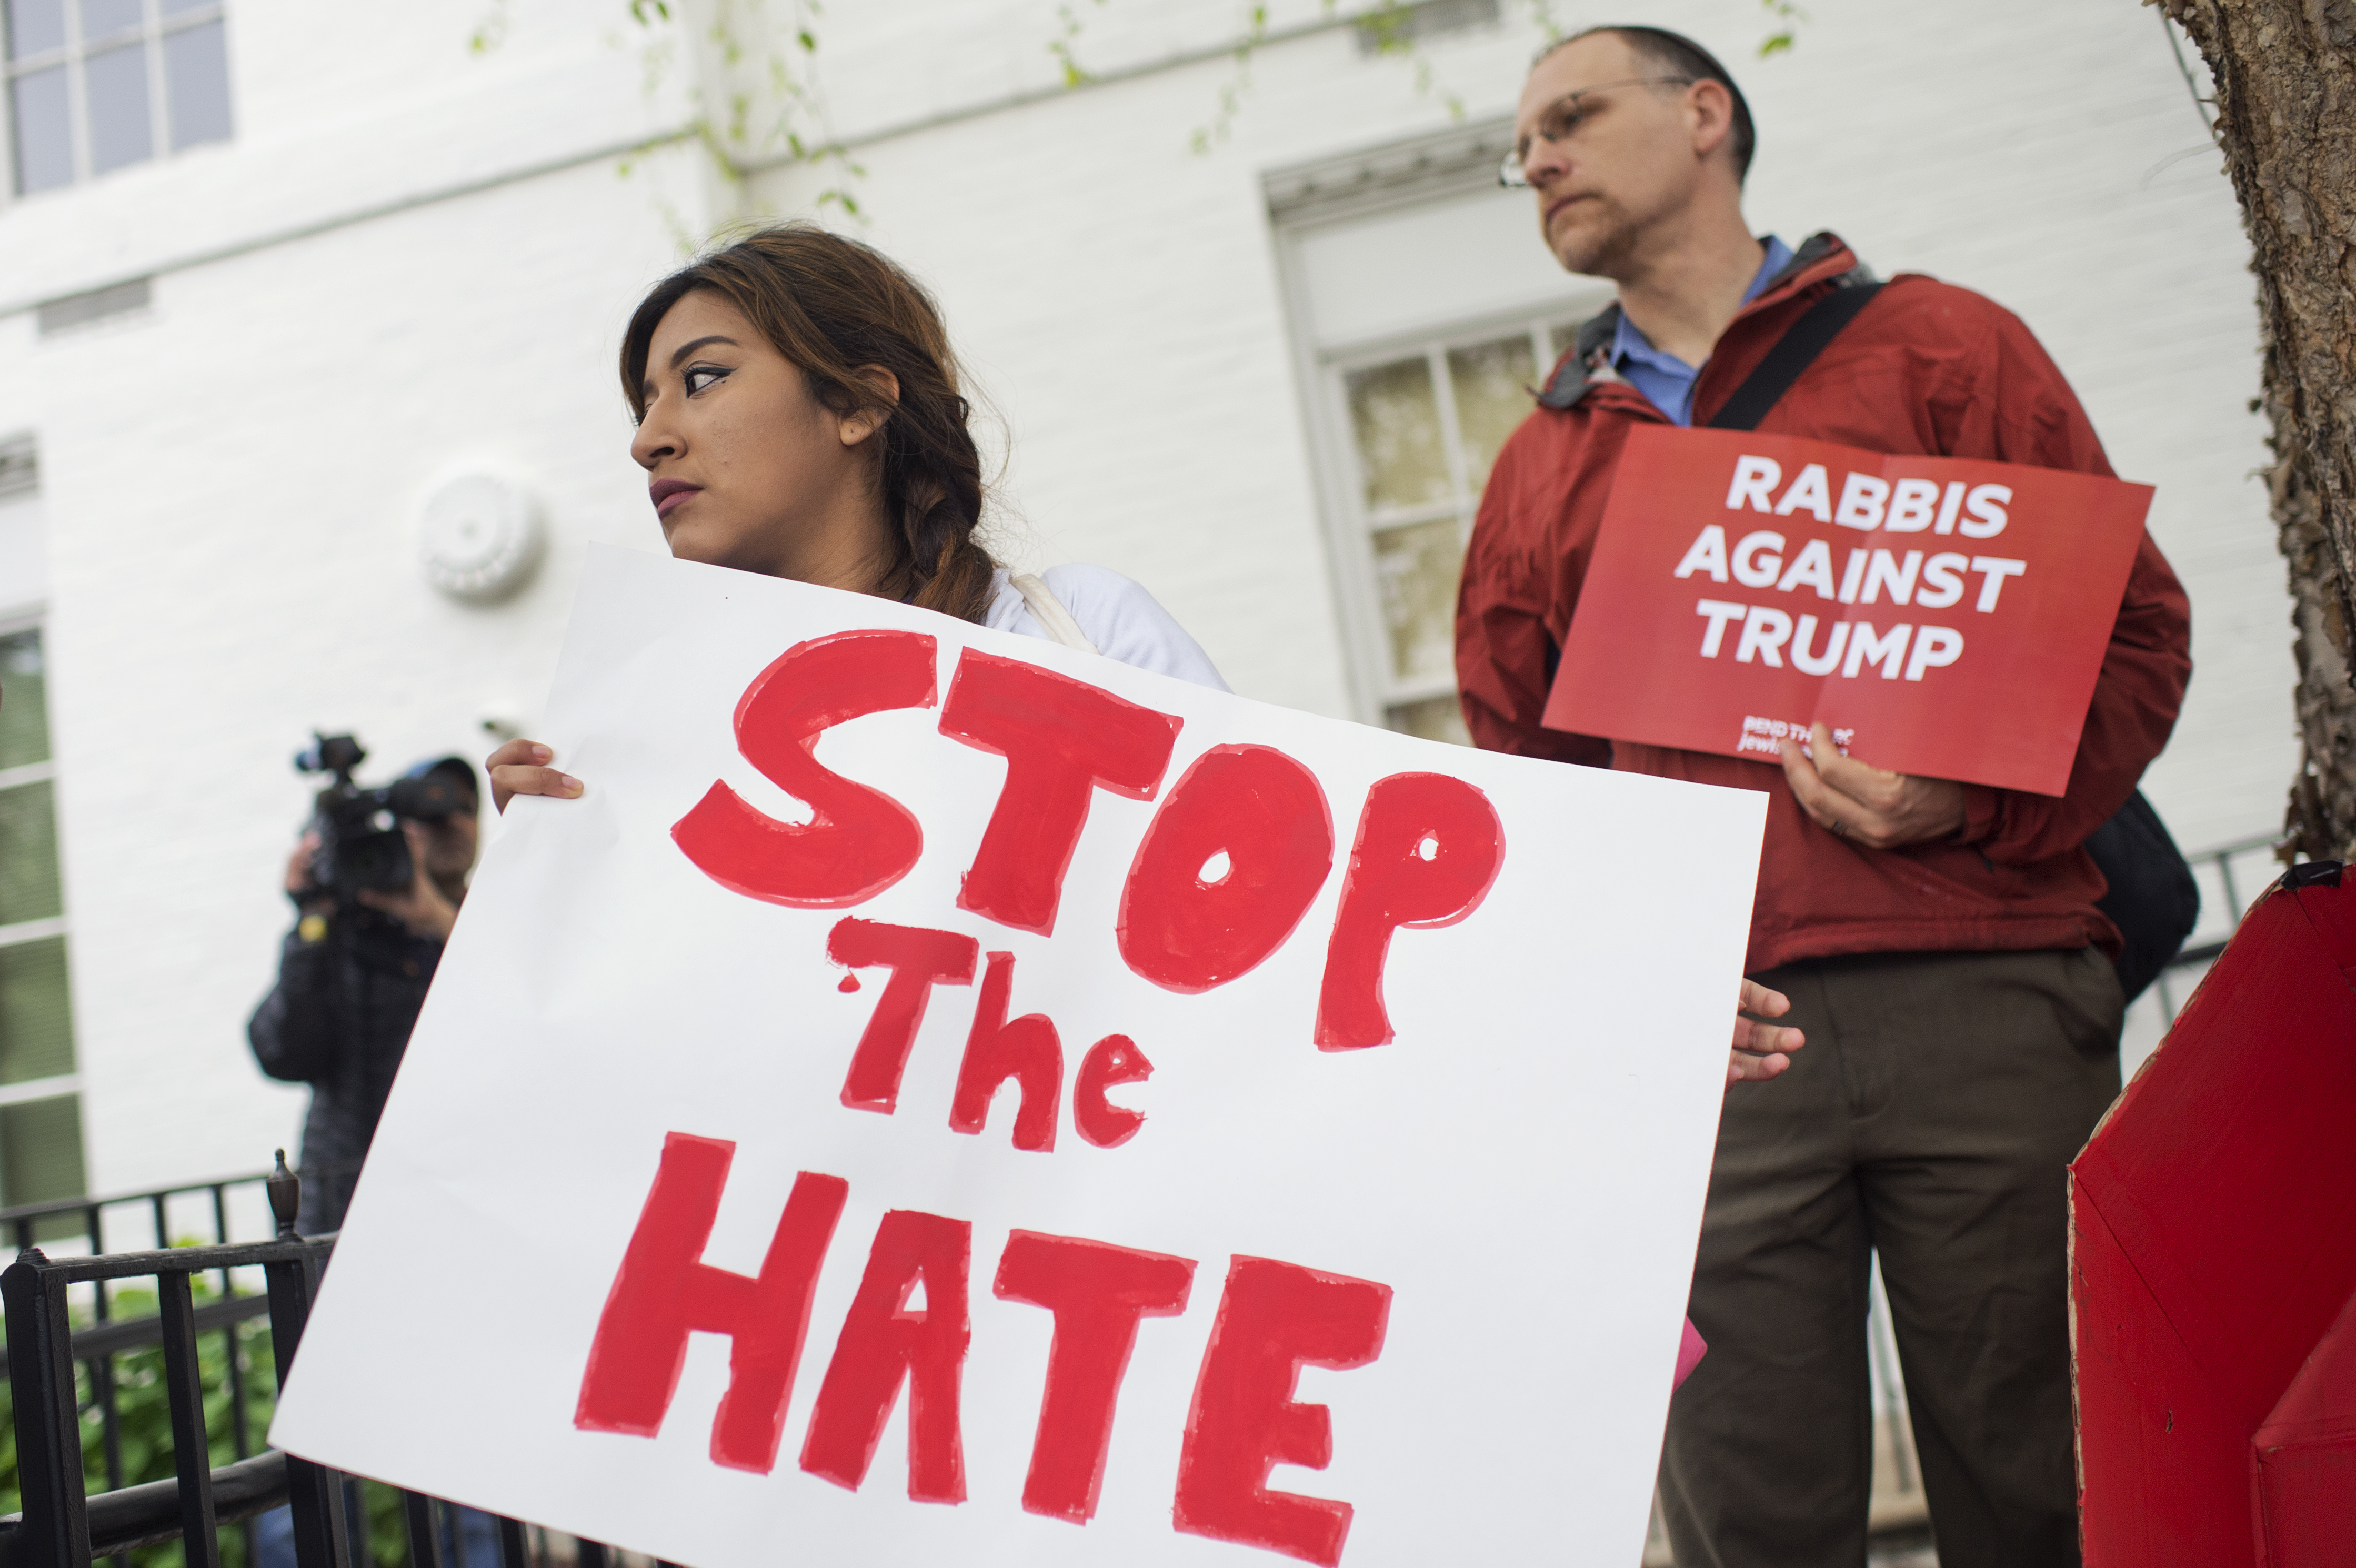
point(770, 107)
point(1786, 17)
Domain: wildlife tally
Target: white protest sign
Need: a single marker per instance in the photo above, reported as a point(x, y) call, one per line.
point(939, 1094)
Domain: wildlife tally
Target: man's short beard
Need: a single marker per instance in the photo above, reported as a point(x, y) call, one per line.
point(1602, 253)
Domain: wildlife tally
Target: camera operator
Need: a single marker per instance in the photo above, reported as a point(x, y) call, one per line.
point(354, 971)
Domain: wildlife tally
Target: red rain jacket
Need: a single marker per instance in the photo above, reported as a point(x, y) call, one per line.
point(1926, 368)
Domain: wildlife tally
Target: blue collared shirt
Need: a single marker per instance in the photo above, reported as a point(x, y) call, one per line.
point(1666, 380)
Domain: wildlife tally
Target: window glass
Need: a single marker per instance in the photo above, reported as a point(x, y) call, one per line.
point(40, 1151)
point(1397, 419)
point(196, 85)
point(1416, 567)
point(1422, 449)
point(28, 854)
point(114, 81)
point(36, 26)
point(1434, 719)
point(124, 102)
point(36, 1019)
point(24, 701)
point(101, 19)
point(1491, 381)
point(43, 130)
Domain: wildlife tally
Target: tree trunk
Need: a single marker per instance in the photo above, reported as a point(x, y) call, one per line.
point(2286, 74)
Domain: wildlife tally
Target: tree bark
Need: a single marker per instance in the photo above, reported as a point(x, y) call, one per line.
point(2286, 75)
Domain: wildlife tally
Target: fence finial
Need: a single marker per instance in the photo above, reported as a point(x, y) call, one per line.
point(286, 1196)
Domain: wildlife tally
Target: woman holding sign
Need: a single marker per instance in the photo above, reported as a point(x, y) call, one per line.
point(798, 415)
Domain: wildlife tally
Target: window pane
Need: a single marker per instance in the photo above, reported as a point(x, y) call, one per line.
point(35, 1019)
point(120, 132)
point(1397, 420)
point(174, 7)
point(36, 26)
point(196, 84)
point(1416, 567)
point(40, 1151)
point(103, 19)
point(28, 855)
point(1491, 381)
point(24, 701)
point(1434, 719)
point(44, 135)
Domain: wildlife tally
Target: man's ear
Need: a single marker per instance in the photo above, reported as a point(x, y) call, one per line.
point(1710, 109)
point(860, 425)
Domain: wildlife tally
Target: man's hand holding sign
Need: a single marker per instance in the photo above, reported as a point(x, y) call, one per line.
point(934, 1093)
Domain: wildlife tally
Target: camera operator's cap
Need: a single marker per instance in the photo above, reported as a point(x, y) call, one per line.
point(458, 770)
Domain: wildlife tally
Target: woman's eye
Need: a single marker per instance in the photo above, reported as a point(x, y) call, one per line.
point(699, 377)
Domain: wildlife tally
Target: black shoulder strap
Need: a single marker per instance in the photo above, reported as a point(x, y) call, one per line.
point(1794, 353)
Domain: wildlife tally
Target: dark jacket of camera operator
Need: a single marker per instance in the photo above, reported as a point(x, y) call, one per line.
point(352, 975)
point(338, 1019)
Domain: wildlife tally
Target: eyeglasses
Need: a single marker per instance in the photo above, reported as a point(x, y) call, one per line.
point(1562, 119)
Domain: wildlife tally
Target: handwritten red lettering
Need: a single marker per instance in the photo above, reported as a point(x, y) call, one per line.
point(1112, 1061)
point(663, 1292)
point(859, 841)
point(1274, 1319)
point(882, 1343)
point(1098, 1293)
point(1428, 846)
point(1062, 739)
point(919, 959)
point(1267, 815)
point(1024, 1049)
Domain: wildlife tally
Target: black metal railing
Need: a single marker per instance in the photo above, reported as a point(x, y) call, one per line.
point(2225, 874)
point(57, 1322)
point(88, 1222)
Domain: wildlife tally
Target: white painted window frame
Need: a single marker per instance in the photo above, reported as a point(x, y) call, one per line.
point(31, 617)
point(1355, 538)
point(1406, 174)
point(153, 26)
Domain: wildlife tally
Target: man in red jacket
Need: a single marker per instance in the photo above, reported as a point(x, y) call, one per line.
point(1939, 941)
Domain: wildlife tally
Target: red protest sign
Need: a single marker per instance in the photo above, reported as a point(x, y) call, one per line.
point(1944, 618)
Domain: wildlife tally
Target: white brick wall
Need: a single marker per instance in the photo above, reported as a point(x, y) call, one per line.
point(229, 478)
point(1118, 294)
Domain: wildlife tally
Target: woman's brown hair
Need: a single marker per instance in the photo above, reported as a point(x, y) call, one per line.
point(830, 305)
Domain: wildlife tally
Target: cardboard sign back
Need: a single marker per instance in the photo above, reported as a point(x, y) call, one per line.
point(1411, 1300)
point(2213, 1266)
point(1946, 617)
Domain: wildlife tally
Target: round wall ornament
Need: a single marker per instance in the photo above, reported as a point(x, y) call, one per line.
point(478, 537)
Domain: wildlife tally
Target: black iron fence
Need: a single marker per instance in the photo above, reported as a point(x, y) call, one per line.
point(165, 1213)
point(59, 1324)
point(2231, 877)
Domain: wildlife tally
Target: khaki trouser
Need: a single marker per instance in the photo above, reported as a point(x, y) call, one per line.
point(1929, 1118)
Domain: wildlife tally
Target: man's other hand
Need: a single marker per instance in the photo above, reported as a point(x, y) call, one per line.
point(1852, 800)
point(422, 907)
point(1760, 1049)
point(520, 767)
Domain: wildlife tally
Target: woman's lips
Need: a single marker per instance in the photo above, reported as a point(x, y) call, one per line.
point(670, 494)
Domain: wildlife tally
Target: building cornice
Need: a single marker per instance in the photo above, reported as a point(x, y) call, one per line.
point(432, 196)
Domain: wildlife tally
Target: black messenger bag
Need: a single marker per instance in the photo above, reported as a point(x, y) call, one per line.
point(2153, 899)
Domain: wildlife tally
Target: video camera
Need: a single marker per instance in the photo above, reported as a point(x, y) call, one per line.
point(361, 845)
